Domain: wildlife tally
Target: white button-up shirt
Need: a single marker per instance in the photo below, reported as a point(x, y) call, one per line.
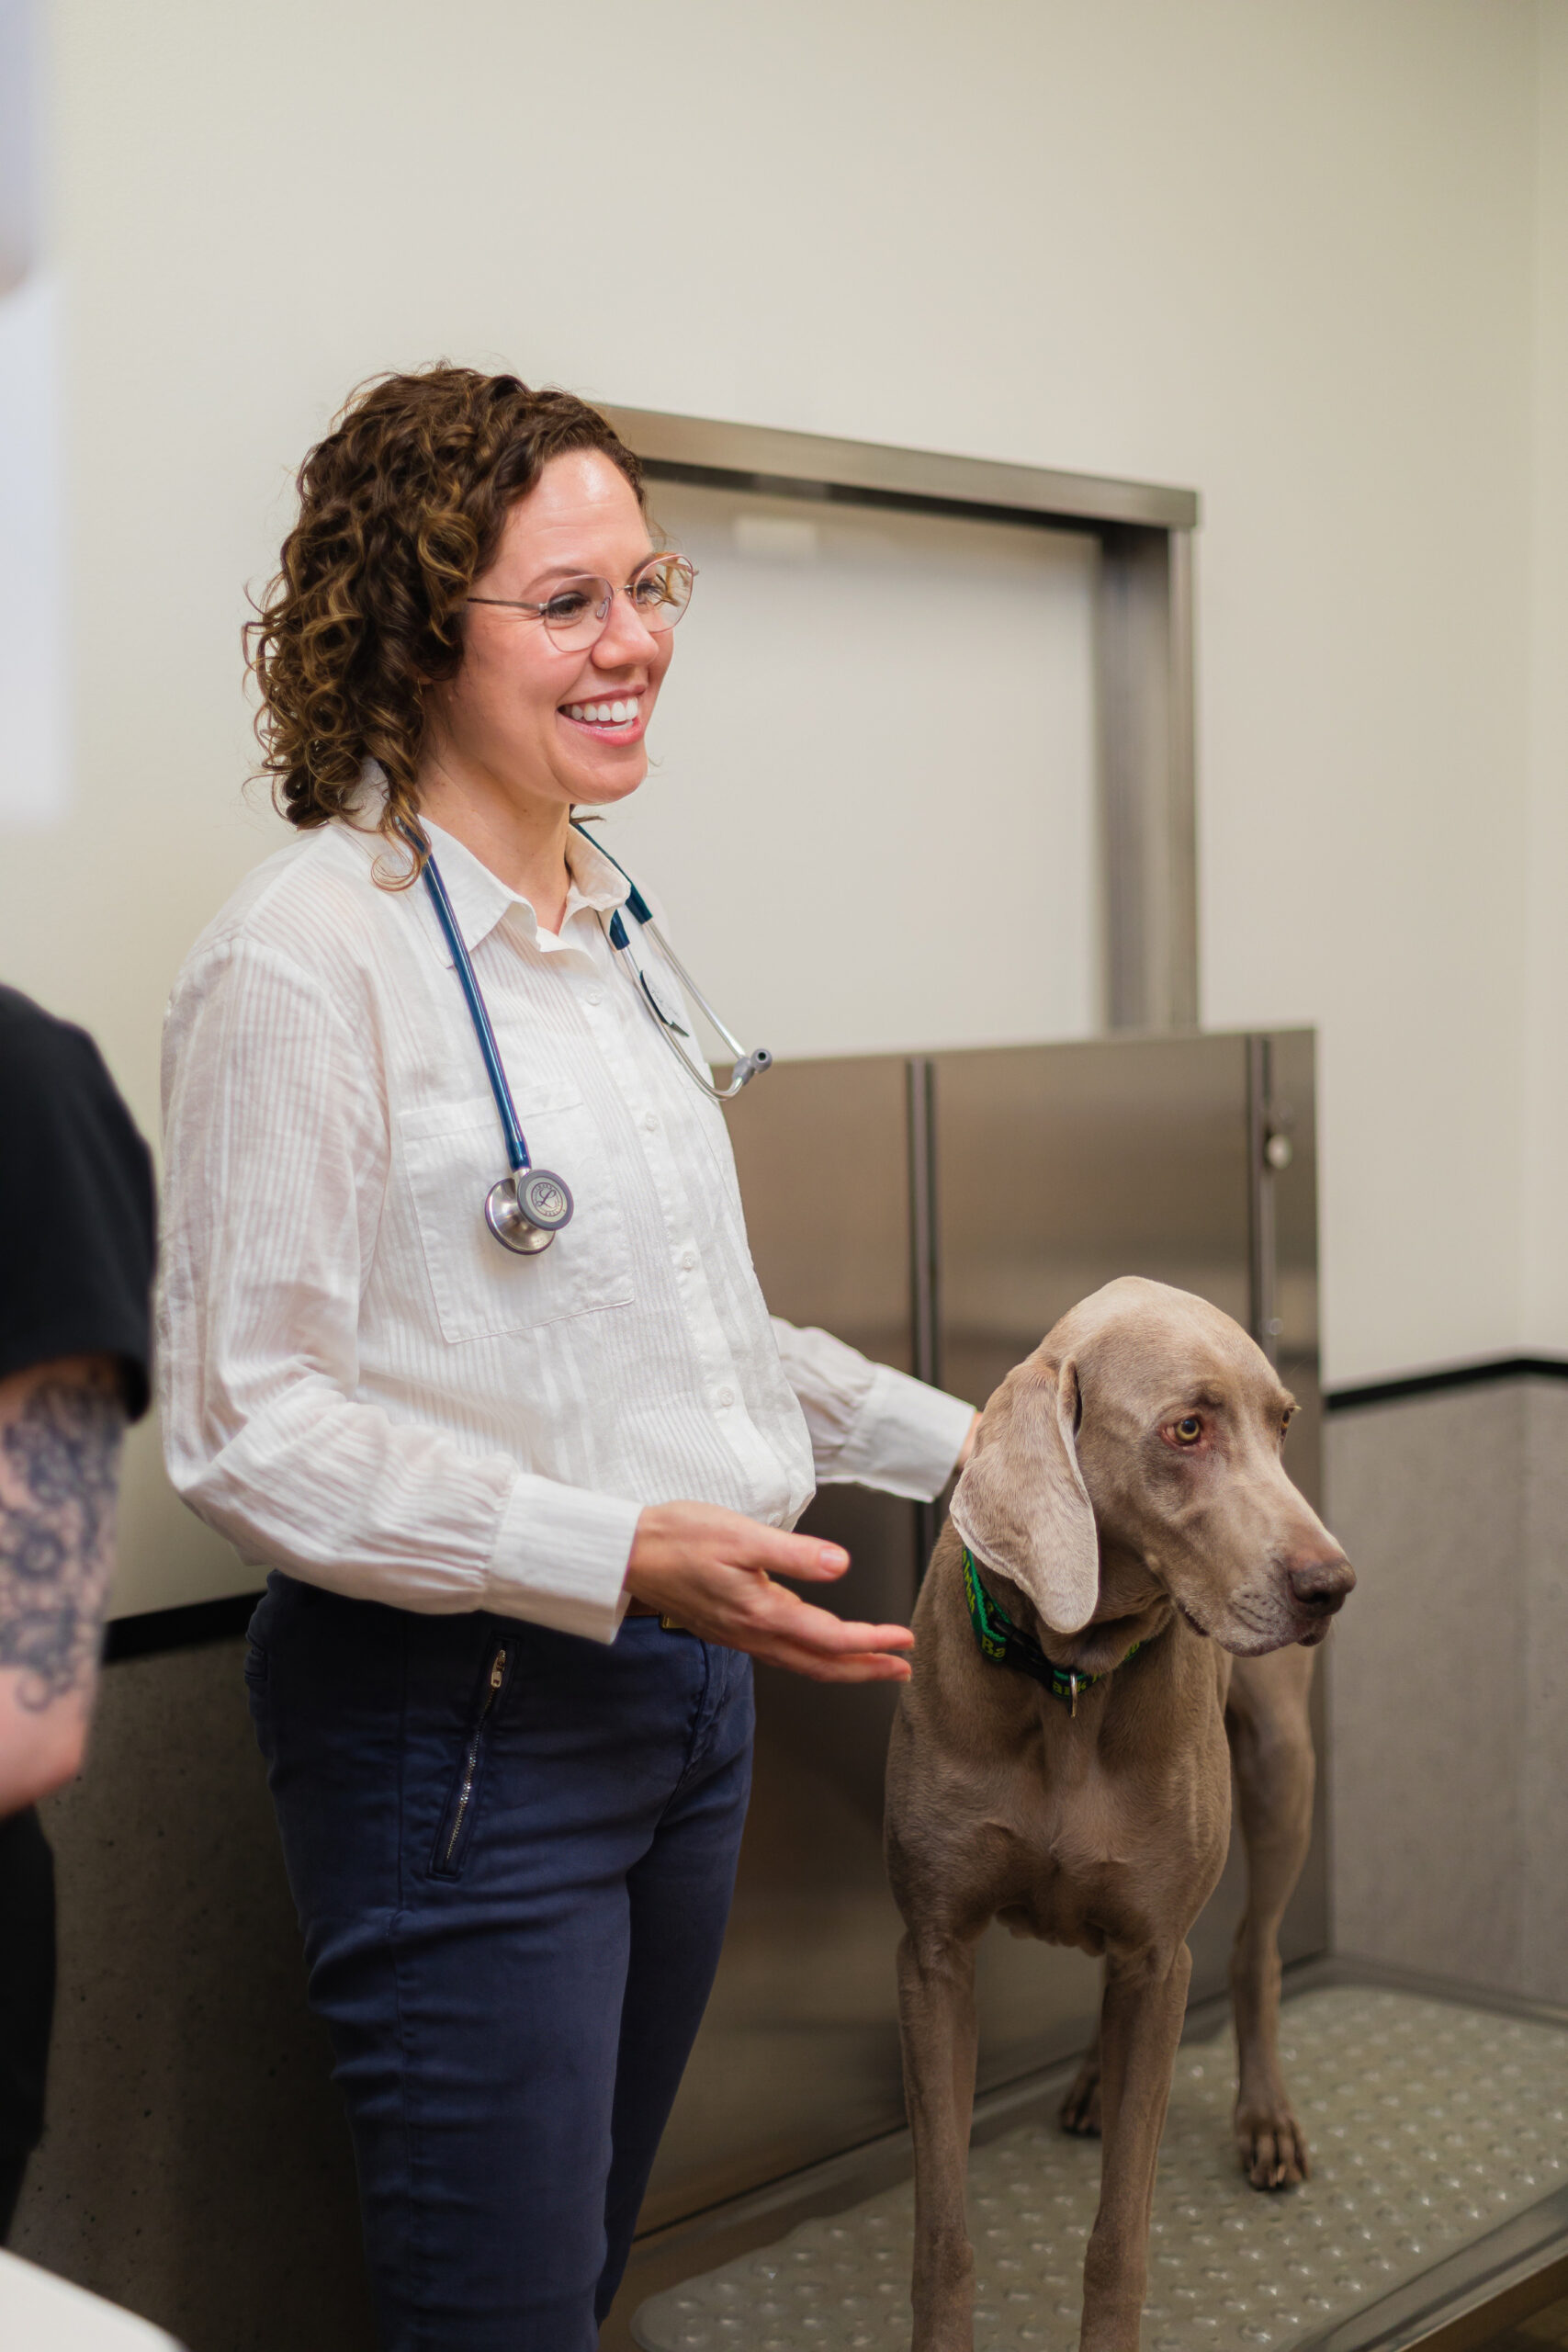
point(359, 1384)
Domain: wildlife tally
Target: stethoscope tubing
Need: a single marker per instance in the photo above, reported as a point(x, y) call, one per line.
point(479, 1012)
point(747, 1066)
point(508, 1219)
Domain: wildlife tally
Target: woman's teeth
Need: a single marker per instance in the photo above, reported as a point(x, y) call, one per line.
point(603, 714)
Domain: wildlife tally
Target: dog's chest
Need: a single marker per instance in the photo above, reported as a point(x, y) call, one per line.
point(1096, 1858)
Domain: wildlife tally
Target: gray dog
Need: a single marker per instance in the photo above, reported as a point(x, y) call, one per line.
point(1125, 1495)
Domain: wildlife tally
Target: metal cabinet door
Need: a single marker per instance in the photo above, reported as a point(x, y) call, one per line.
point(1054, 1169)
point(798, 2056)
point(1059, 1166)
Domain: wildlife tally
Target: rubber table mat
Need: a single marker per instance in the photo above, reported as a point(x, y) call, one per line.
point(1428, 2125)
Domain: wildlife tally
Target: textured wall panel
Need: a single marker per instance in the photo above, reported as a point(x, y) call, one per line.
point(1449, 1749)
point(196, 2166)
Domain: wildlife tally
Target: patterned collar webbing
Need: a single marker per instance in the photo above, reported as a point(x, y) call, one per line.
point(1005, 1644)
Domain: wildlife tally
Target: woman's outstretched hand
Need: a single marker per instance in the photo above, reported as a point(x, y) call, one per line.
point(713, 1571)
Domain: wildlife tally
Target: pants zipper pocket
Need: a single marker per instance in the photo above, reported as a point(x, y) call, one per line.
point(451, 1838)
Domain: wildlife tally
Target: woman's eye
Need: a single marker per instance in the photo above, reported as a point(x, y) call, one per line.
point(1189, 1430)
point(570, 605)
point(650, 593)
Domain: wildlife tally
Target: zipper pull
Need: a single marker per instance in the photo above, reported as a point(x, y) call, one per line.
point(497, 1669)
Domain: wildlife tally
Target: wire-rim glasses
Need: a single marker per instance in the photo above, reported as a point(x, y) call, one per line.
point(577, 613)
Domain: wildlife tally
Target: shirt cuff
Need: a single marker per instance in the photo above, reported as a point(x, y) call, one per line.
point(560, 1559)
point(906, 1440)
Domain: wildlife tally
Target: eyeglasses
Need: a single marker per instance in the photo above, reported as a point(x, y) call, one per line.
point(579, 613)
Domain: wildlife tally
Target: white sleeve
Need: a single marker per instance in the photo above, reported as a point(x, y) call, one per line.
point(872, 1425)
point(276, 1163)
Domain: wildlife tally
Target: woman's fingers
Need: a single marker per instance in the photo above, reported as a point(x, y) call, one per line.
point(858, 1665)
point(715, 1572)
point(872, 1667)
point(776, 1624)
point(817, 1631)
point(684, 1534)
point(805, 1558)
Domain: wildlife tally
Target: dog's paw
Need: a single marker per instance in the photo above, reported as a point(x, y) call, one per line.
point(1271, 2144)
point(1079, 2112)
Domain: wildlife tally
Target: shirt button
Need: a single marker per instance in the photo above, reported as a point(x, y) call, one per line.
point(651, 1120)
point(688, 1261)
point(724, 1398)
point(595, 996)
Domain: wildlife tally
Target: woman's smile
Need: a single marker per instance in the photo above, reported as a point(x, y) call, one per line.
point(616, 718)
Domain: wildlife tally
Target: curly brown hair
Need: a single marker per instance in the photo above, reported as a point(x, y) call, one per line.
point(401, 509)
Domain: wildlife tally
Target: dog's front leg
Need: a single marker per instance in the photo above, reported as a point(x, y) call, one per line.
point(1270, 1735)
point(936, 2022)
point(1146, 2000)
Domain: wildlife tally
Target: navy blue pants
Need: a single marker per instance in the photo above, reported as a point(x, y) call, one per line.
point(513, 1854)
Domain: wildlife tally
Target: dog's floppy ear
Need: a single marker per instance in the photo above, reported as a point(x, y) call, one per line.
point(1022, 1505)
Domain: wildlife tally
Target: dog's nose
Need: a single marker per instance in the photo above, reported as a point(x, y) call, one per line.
point(1319, 1580)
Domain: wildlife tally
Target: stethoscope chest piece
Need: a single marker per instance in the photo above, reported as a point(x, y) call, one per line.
point(526, 1211)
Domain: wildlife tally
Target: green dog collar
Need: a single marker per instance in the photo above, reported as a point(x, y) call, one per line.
point(1005, 1644)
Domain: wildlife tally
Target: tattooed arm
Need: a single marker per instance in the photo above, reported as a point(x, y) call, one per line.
point(60, 1426)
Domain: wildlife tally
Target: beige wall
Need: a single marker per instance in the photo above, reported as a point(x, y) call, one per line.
point(1447, 1756)
point(1544, 1233)
point(1284, 253)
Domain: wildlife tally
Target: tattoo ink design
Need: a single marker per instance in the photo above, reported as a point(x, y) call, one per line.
point(59, 1476)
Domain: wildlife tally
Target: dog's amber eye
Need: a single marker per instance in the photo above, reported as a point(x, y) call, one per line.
point(1189, 1430)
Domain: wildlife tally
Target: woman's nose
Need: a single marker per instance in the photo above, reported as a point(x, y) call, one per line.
point(626, 636)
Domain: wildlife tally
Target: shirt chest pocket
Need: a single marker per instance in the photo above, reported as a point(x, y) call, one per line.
point(451, 1154)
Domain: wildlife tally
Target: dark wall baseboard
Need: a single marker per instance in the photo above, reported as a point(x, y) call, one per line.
point(1454, 1375)
point(156, 1631)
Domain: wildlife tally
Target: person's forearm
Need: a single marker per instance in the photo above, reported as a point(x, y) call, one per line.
point(332, 1490)
point(870, 1425)
point(40, 1751)
point(61, 1428)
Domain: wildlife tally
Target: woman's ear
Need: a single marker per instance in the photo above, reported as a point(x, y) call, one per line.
point(1022, 1505)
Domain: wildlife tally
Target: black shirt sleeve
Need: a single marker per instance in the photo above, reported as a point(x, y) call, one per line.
point(77, 1230)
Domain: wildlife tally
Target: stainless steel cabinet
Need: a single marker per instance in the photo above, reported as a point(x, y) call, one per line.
point(941, 1214)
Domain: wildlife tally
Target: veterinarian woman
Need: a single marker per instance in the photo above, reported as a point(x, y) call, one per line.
point(520, 1450)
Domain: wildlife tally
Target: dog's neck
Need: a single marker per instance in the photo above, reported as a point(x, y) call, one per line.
point(1134, 1607)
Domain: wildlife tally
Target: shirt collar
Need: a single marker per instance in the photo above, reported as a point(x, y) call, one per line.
point(596, 880)
point(481, 899)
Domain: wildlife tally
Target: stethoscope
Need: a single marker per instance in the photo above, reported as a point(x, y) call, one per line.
point(527, 1208)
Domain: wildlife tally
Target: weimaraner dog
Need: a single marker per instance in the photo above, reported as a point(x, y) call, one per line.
point(1123, 1572)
